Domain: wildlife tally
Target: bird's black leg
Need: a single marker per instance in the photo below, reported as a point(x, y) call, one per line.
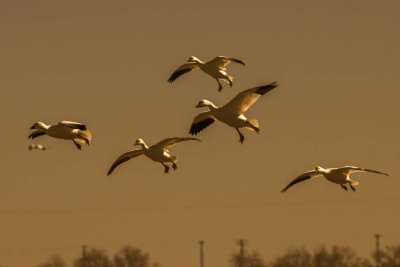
point(79, 146)
point(344, 187)
point(219, 86)
point(352, 187)
point(241, 136)
point(166, 168)
point(173, 164)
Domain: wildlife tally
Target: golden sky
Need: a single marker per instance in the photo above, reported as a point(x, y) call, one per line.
point(106, 64)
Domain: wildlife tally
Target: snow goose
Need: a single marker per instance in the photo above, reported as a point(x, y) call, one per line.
point(67, 130)
point(339, 176)
point(216, 68)
point(158, 152)
point(231, 113)
point(37, 146)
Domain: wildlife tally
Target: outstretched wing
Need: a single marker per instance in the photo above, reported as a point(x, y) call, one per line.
point(36, 134)
point(125, 157)
point(350, 169)
point(174, 140)
point(200, 122)
point(222, 61)
point(246, 98)
point(303, 177)
point(73, 125)
point(188, 66)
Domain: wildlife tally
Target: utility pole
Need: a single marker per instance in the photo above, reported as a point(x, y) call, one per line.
point(201, 242)
point(84, 255)
point(241, 243)
point(378, 254)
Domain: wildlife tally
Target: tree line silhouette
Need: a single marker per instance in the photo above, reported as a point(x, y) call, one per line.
point(322, 256)
point(126, 257)
point(336, 256)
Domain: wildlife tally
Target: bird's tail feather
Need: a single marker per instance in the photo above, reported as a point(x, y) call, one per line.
point(174, 158)
point(228, 79)
point(84, 136)
point(253, 125)
point(354, 182)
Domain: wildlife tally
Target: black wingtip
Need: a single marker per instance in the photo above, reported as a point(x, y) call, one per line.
point(237, 61)
point(261, 90)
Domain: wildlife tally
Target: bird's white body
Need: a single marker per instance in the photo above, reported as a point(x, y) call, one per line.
point(66, 130)
point(339, 176)
point(232, 113)
point(62, 132)
point(213, 70)
point(158, 153)
point(226, 116)
point(216, 68)
point(37, 146)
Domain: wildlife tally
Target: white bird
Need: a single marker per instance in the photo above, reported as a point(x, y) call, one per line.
point(232, 112)
point(37, 146)
point(216, 68)
point(158, 152)
point(339, 176)
point(67, 130)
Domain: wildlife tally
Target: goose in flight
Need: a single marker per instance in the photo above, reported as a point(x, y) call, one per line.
point(158, 152)
point(216, 68)
point(37, 146)
point(339, 176)
point(232, 112)
point(67, 130)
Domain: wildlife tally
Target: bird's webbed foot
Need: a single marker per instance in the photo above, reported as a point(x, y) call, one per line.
point(79, 146)
point(344, 187)
point(166, 168)
point(241, 140)
point(174, 166)
point(219, 86)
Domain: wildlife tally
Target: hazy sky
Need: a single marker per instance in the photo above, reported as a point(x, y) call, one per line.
point(106, 64)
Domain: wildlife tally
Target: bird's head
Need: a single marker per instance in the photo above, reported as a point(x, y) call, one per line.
point(319, 169)
point(139, 142)
point(38, 125)
point(193, 59)
point(203, 103)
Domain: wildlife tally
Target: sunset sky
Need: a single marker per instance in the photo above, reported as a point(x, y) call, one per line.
point(106, 64)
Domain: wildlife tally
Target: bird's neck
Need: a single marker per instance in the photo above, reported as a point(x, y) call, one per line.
point(144, 146)
point(322, 170)
point(43, 126)
point(198, 61)
point(212, 107)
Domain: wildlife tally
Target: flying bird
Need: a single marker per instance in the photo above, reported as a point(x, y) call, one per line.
point(158, 152)
point(67, 130)
point(339, 176)
point(37, 146)
point(216, 68)
point(232, 112)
